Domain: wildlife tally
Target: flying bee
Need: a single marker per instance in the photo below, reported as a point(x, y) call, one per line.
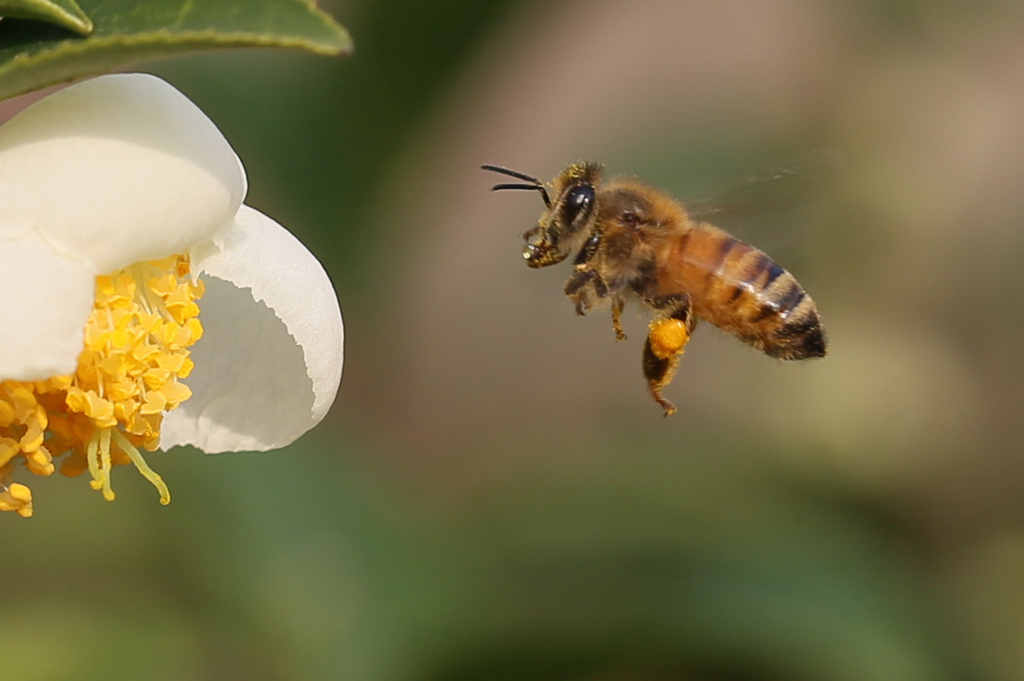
point(634, 241)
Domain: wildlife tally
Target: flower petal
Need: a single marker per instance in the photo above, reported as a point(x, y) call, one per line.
point(269, 363)
point(115, 170)
point(45, 303)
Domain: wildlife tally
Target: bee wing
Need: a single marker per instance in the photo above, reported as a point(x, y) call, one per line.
point(770, 188)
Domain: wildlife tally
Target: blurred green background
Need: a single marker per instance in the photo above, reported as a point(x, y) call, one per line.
point(494, 495)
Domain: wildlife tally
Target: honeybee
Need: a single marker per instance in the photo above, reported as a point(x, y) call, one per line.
point(635, 241)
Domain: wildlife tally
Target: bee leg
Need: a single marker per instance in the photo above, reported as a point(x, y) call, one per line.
point(589, 250)
point(585, 287)
point(667, 337)
point(618, 303)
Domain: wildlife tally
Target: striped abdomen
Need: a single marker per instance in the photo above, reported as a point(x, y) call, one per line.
point(741, 290)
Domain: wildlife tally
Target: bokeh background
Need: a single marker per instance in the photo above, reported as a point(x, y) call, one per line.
point(494, 495)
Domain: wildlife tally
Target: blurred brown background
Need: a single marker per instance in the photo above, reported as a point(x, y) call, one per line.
point(495, 496)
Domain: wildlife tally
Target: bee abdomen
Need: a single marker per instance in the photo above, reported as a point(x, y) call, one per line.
point(801, 339)
point(772, 311)
point(744, 292)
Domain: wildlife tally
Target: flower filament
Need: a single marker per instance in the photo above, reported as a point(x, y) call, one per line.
point(144, 319)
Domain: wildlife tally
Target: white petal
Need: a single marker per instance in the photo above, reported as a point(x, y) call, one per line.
point(45, 302)
point(269, 363)
point(115, 170)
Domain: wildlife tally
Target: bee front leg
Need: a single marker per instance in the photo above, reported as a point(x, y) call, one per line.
point(585, 288)
point(667, 337)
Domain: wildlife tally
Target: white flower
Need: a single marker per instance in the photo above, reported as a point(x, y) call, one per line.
point(120, 208)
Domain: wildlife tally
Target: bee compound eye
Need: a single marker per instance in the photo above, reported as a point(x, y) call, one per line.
point(577, 203)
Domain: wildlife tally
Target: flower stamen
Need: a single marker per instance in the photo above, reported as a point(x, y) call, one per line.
point(144, 319)
point(140, 463)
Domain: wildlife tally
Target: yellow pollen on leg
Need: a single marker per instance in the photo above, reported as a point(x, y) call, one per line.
point(668, 337)
point(143, 321)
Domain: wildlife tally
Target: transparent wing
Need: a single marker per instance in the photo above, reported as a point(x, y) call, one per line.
point(770, 188)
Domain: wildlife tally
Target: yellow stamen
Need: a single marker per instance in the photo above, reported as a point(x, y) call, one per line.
point(140, 463)
point(144, 319)
point(93, 457)
point(105, 466)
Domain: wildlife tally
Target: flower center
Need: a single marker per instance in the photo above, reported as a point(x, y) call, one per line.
point(143, 321)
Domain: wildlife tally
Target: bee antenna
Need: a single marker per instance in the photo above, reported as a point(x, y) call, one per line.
point(511, 173)
point(534, 183)
point(534, 187)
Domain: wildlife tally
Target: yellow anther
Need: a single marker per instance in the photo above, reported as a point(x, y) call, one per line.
point(176, 393)
point(186, 368)
point(22, 400)
point(104, 287)
point(111, 365)
point(172, 363)
point(39, 462)
point(16, 497)
point(155, 378)
point(73, 465)
point(148, 321)
point(155, 403)
point(163, 286)
point(119, 338)
point(124, 410)
point(195, 330)
point(137, 424)
point(32, 439)
point(182, 268)
point(6, 413)
point(122, 390)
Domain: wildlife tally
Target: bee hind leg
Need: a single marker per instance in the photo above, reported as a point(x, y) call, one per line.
point(667, 337)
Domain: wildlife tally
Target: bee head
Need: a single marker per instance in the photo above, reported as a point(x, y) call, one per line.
point(565, 223)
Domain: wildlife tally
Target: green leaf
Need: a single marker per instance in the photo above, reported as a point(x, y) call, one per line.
point(64, 13)
point(35, 54)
